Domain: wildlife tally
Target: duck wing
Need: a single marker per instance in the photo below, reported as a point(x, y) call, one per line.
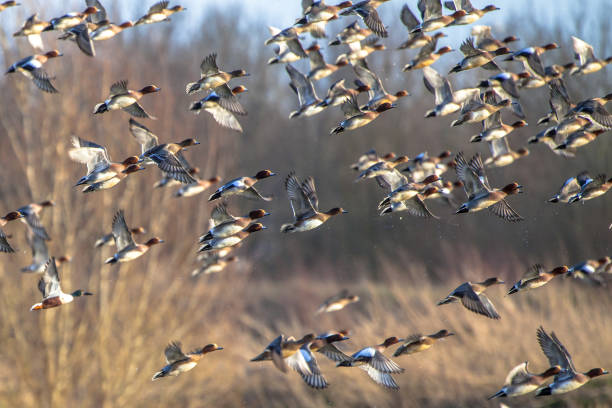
point(416, 207)
point(384, 379)
point(158, 7)
point(300, 203)
point(554, 350)
point(499, 146)
point(302, 85)
point(478, 303)
point(372, 80)
point(143, 136)
point(308, 187)
point(503, 210)
point(518, 375)
point(89, 153)
point(408, 18)
point(42, 80)
point(220, 214)
point(98, 16)
point(119, 87)
point(173, 352)
point(471, 182)
point(332, 352)
point(49, 283)
point(224, 117)
point(4, 244)
point(40, 252)
point(137, 111)
point(468, 48)
point(438, 85)
point(228, 100)
point(583, 51)
point(382, 363)
point(121, 232)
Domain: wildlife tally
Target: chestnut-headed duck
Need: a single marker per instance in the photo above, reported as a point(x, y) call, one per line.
point(80, 35)
point(535, 277)
point(415, 205)
point(337, 302)
point(484, 40)
point(31, 68)
point(40, 254)
point(589, 268)
point(474, 57)
point(417, 39)
point(479, 192)
point(366, 9)
point(327, 346)
point(305, 205)
point(319, 69)
point(568, 379)
point(530, 57)
point(222, 104)
point(418, 342)
point(31, 217)
point(108, 239)
point(337, 93)
point(498, 130)
point(473, 14)
point(594, 112)
point(224, 224)
point(123, 98)
point(31, 29)
point(127, 249)
point(179, 362)
point(287, 51)
point(587, 62)
point(351, 33)
point(377, 95)
point(215, 267)
point(99, 166)
point(109, 30)
point(359, 51)
point(405, 191)
point(437, 23)
point(4, 244)
point(49, 286)
point(445, 99)
point(319, 11)
point(579, 139)
point(571, 187)
point(476, 110)
point(472, 297)
point(69, 20)
point(382, 167)
point(424, 165)
point(220, 243)
point(193, 189)
point(356, 118)
point(505, 84)
point(244, 186)
point(211, 76)
point(7, 4)
point(310, 104)
point(598, 187)
point(282, 348)
point(315, 28)
point(370, 158)
point(426, 56)
point(502, 155)
point(169, 158)
point(520, 381)
point(297, 354)
point(159, 12)
point(167, 181)
point(378, 366)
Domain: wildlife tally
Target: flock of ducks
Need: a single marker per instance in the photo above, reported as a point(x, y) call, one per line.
point(570, 125)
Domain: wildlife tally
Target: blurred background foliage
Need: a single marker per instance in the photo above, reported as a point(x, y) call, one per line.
point(101, 351)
